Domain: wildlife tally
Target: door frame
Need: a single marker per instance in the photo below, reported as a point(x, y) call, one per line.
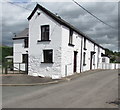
point(26, 63)
point(75, 62)
point(91, 60)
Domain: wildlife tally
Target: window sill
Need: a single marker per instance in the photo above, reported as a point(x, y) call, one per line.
point(84, 48)
point(43, 40)
point(48, 62)
point(71, 45)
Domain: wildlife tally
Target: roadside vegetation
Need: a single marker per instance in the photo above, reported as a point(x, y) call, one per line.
point(114, 56)
point(6, 51)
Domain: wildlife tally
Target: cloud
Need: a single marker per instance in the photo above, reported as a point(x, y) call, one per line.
point(108, 12)
point(15, 19)
point(76, 0)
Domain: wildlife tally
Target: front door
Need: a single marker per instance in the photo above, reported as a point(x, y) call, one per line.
point(90, 60)
point(25, 60)
point(27, 64)
point(75, 61)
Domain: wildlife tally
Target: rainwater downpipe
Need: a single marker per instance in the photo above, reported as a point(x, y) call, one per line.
point(65, 70)
point(81, 55)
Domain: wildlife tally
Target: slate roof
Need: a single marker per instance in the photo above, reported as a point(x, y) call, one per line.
point(23, 34)
point(105, 55)
point(61, 21)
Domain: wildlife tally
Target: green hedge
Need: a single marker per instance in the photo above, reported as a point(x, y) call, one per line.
point(5, 51)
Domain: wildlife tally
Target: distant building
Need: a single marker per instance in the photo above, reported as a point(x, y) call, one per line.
point(51, 47)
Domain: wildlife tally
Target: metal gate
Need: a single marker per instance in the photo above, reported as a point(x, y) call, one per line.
point(15, 68)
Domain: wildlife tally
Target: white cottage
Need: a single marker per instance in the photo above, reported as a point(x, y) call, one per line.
point(51, 47)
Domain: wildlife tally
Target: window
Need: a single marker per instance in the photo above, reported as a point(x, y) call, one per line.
point(48, 56)
point(84, 55)
point(70, 36)
point(103, 60)
point(26, 43)
point(45, 33)
point(85, 44)
point(24, 58)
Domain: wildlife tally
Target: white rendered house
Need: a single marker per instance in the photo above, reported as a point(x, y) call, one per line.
point(20, 50)
point(55, 48)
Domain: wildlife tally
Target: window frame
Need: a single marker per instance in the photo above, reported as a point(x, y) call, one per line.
point(45, 59)
point(23, 58)
point(26, 43)
point(103, 60)
point(45, 35)
point(71, 37)
point(85, 43)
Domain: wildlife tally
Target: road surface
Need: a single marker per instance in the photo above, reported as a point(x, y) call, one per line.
point(90, 91)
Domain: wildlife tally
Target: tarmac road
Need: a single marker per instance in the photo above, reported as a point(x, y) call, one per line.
point(90, 91)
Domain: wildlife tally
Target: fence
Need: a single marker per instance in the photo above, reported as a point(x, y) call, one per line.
point(14, 68)
point(109, 66)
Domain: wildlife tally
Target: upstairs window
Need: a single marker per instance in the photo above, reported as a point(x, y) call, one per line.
point(85, 44)
point(45, 33)
point(70, 36)
point(26, 43)
point(48, 56)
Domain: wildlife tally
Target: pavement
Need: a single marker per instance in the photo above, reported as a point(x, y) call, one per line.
point(26, 80)
point(95, 90)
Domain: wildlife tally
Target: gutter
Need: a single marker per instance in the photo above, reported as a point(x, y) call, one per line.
point(16, 38)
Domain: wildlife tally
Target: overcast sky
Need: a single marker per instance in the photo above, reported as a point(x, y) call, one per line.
point(14, 19)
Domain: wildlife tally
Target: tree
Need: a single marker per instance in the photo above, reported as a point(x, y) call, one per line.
point(114, 56)
point(6, 51)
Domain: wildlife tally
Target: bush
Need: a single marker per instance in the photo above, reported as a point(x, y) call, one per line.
point(6, 51)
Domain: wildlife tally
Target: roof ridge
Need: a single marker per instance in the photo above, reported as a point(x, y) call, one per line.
point(61, 21)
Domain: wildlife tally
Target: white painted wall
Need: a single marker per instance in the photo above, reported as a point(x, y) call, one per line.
point(107, 59)
point(96, 57)
point(89, 47)
point(37, 68)
point(100, 57)
point(68, 52)
point(18, 50)
point(63, 54)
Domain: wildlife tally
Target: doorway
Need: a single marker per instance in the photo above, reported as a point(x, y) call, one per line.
point(25, 60)
point(91, 60)
point(75, 61)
